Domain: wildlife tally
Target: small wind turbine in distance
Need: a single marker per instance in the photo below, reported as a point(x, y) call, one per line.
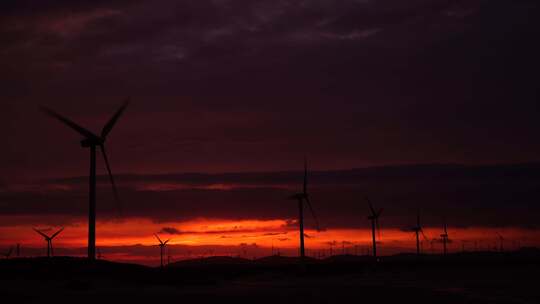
point(7, 254)
point(92, 141)
point(301, 197)
point(444, 237)
point(161, 247)
point(501, 242)
point(374, 218)
point(49, 239)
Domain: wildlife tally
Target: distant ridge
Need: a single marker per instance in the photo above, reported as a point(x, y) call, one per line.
point(454, 170)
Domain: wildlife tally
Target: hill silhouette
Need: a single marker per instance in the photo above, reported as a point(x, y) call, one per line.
point(479, 277)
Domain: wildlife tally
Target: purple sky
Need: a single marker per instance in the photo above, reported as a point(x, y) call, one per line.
point(253, 86)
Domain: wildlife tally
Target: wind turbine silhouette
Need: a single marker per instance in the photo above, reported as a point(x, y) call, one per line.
point(49, 239)
point(444, 237)
point(161, 246)
point(301, 197)
point(374, 218)
point(92, 141)
point(417, 231)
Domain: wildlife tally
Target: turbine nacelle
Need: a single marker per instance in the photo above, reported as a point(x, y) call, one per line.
point(92, 142)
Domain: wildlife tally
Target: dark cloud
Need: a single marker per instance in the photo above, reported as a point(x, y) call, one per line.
point(251, 85)
point(237, 86)
point(502, 195)
point(170, 230)
point(274, 233)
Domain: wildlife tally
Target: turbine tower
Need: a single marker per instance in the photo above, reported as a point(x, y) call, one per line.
point(49, 239)
point(374, 218)
point(444, 237)
point(161, 247)
point(417, 231)
point(93, 141)
point(301, 198)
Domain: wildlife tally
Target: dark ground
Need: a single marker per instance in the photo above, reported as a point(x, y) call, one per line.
point(459, 278)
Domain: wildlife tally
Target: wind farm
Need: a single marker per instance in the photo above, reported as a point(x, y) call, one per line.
point(269, 151)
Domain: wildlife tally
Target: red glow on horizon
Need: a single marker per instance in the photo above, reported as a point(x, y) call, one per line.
point(228, 237)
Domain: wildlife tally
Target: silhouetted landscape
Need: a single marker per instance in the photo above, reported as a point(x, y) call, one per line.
point(479, 277)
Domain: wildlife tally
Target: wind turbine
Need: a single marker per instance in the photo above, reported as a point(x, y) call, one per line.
point(417, 231)
point(444, 237)
point(301, 198)
point(7, 254)
point(161, 246)
point(49, 239)
point(501, 242)
point(374, 218)
point(92, 141)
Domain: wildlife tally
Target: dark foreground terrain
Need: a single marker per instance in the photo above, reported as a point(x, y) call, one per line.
point(458, 278)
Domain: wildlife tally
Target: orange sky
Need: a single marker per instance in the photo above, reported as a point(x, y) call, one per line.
point(224, 237)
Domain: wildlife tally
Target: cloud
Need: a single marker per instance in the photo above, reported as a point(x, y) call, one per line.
point(321, 56)
point(455, 191)
point(170, 230)
point(224, 86)
point(274, 233)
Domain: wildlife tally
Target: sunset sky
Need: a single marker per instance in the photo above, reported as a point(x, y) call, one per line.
point(420, 104)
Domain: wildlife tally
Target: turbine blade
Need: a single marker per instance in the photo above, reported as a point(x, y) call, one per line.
point(84, 132)
point(56, 233)
point(111, 177)
point(165, 243)
point(42, 234)
point(424, 235)
point(110, 124)
point(158, 238)
point(313, 213)
point(379, 212)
